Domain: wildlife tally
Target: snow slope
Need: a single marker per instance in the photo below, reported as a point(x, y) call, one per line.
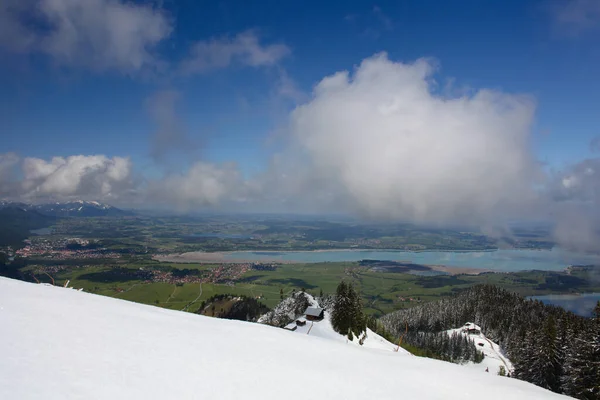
point(493, 355)
point(58, 343)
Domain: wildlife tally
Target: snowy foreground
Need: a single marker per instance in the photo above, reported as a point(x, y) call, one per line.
point(58, 343)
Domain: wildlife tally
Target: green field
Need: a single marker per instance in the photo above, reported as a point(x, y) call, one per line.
point(382, 292)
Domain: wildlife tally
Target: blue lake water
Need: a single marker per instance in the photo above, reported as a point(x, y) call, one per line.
point(498, 260)
point(42, 231)
point(579, 304)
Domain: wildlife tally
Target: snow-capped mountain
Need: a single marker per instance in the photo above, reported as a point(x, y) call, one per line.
point(59, 343)
point(80, 208)
point(15, 204)
point(77, 208)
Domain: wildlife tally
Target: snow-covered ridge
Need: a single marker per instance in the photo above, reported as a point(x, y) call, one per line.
point(59, 343)
point(77, 204)
point(81, 208)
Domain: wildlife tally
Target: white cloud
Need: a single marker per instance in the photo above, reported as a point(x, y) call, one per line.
point(94, 177)
point(577, 227)
point(385, 21)
point(398, 150)
point(8, 162)
point(15, 36)
point(577, 16)
point(595, 144)
point(245, 49)
point(204, 184)
point(97, 34)
point(170, 135)
point(579, 183)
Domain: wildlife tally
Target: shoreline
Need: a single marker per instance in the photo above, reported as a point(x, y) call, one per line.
point(451, 262)
point(220, 258)
point(220, 254)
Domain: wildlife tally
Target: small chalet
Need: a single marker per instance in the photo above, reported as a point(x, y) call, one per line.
point(314, 313)
point(471, 329)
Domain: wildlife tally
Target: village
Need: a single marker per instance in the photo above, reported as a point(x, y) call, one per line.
point(64, 249)
point(226, 274)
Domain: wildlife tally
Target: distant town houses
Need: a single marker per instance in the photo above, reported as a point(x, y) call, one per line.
point(401, 298)
point(226, 274)
point(64, 249)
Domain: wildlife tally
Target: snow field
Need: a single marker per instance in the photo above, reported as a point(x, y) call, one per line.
point(58, 343)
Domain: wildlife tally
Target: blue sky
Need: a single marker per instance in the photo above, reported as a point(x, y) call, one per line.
point(448, 110)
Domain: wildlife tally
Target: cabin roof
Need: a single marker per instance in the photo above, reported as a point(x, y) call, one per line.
point(314, 311)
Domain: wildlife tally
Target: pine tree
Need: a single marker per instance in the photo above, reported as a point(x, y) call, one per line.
point(545, 368)
point(347, 311)
point(526, 357)
point(339, 313)
point(583, 368)
point(582, 378)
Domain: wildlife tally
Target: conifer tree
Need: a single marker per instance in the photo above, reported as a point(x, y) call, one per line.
point(347, 311)
point(339, 313)
point(582, 367)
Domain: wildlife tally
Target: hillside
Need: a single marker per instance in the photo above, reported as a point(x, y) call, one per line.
point(547, 345)
point(16, 222)
point(59, 343)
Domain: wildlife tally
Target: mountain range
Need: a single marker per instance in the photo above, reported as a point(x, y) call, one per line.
point(17, 222)
point(77, 208)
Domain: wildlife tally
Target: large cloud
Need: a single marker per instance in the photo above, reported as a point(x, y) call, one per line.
point(399, 149)
point(94, 177)
point(98, 34)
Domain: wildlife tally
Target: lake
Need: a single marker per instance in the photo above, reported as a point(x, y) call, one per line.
point(498, 260)
point(579, 304)
point(221, 235)
point(41, 231)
